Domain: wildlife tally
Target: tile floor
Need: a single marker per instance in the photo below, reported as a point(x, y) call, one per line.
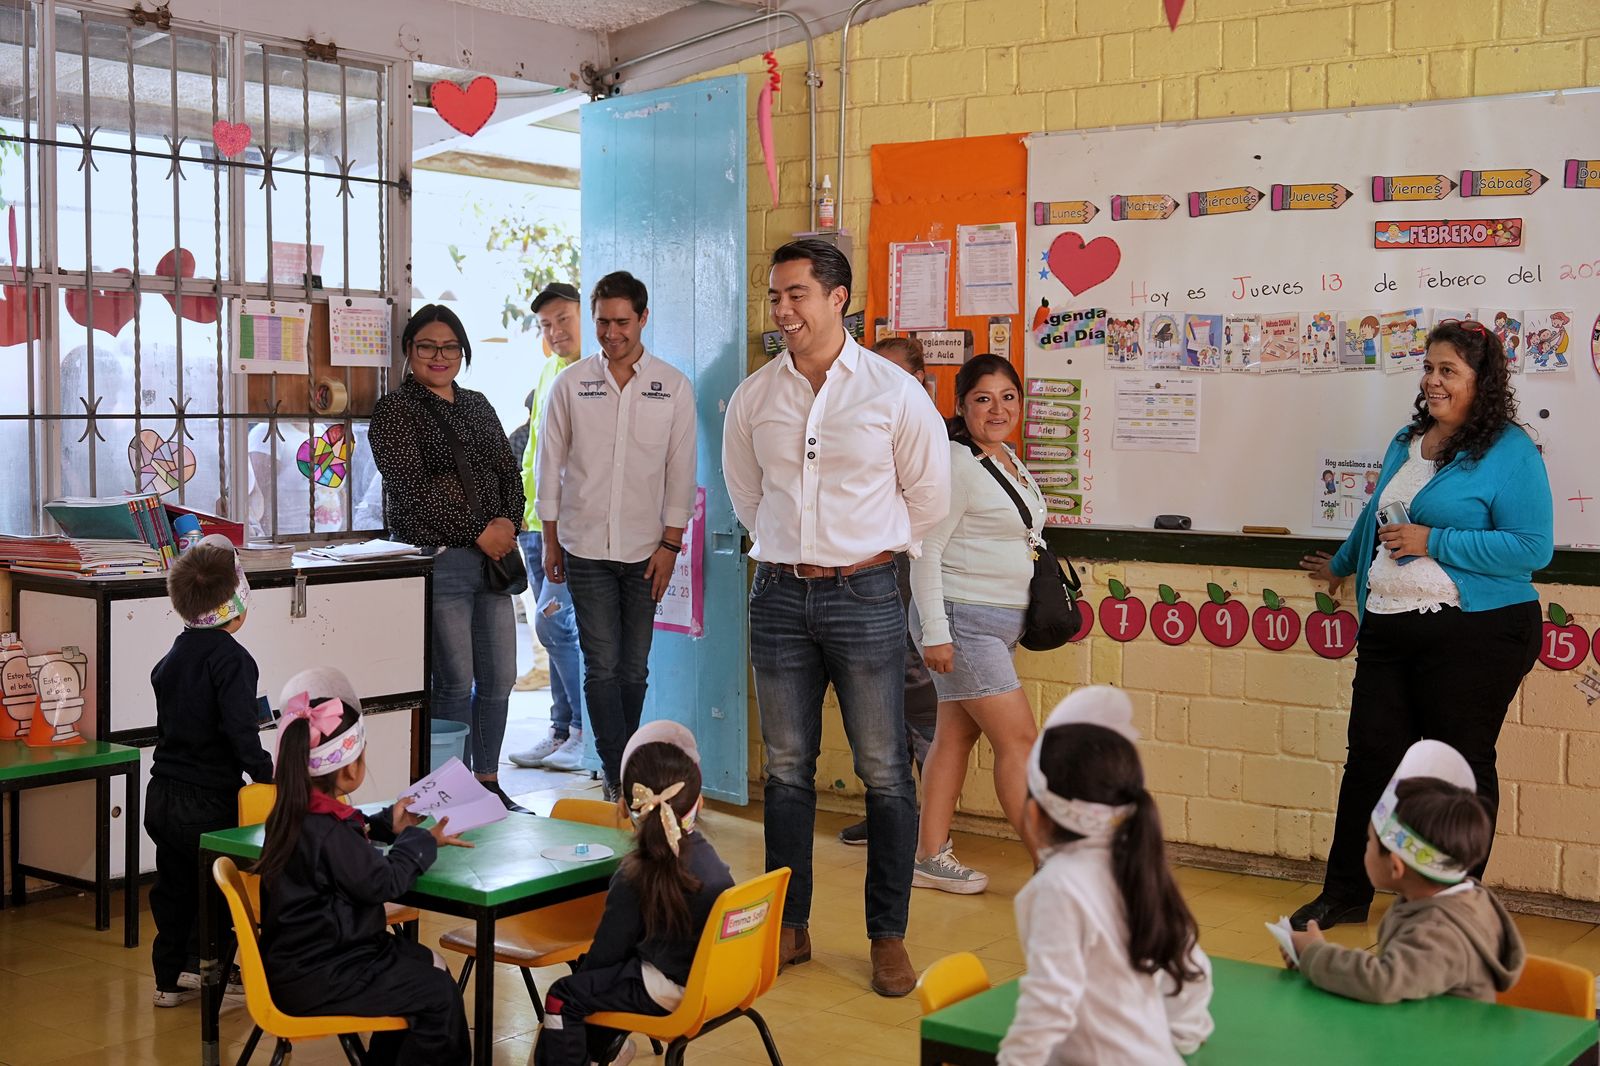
point(74, 996)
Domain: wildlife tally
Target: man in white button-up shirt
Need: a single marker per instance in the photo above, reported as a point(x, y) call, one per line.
point(616, 486)
point(835, 461)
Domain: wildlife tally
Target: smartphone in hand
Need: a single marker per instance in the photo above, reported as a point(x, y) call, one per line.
point(1395, 514)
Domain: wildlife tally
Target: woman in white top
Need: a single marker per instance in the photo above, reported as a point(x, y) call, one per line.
point(969, 594)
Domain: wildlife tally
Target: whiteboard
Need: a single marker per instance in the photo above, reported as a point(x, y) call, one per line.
point(1263, 436)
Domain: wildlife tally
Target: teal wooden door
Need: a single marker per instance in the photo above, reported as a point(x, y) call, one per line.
point(664, 198)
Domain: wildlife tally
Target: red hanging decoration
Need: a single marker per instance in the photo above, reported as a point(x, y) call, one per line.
point(764, 121)
point(1174, 12)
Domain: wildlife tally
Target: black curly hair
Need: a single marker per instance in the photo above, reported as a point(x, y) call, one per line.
point(1494, 403)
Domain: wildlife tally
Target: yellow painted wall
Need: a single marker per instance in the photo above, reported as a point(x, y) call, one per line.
point(1244, 747)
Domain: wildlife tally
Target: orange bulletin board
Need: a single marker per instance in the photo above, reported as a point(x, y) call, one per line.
point(922, 192)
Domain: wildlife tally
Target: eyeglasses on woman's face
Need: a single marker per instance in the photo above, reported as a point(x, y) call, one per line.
point(428, 351)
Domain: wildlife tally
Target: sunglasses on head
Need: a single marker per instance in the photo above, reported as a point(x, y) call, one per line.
point(1467, 324)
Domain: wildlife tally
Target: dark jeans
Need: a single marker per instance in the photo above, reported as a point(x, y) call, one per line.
point(565, 1040)
point(922, 702)
point(176, 814)
point(851, 632)
point(474, 654)
point(616, 622)
point(1447, 675)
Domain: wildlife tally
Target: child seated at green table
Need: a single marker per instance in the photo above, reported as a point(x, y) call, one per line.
point(325, 942)
point(1099, 988)
point(656, 908)
point(207, 737)
point(1447, 935)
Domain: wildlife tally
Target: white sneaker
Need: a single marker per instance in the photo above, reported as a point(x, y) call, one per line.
point(946, 873)
point(623, 1056)
point(189, 980)
point(568, 756)
point(175, 998)
point(536, 755)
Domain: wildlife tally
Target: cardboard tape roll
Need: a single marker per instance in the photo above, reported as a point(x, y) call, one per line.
point(329, 397)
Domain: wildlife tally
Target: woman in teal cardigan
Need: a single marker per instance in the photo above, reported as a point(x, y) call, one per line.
point(1449, 614)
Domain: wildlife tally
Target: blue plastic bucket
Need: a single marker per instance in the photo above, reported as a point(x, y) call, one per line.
point(446, 740)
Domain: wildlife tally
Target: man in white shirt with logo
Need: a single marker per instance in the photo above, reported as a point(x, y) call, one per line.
point(616, 487)
point(835, 461)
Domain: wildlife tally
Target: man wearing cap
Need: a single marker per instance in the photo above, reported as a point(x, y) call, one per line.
point(615, 468)
point(557, 308)
point(835, 460)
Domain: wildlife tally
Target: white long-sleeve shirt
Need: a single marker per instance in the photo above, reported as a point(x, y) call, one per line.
point(616, 464)
point(834, 477)
point(1082, 1003)
point(979, 552)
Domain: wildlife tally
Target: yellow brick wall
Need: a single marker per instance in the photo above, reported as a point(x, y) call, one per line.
point(1244, 746)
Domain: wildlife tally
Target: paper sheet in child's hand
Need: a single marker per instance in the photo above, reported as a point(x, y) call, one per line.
point(1280, 931)
point(452, 792)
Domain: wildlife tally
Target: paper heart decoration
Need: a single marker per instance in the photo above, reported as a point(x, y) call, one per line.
point(1174, 12)
point(180, 263)
point(160, 465)
point(14, 315)
point(466, 110)
point(1079, 266)
point(231, 138)
point(113, 308)
point(325, 458)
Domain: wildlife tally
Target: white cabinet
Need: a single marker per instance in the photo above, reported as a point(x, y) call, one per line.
point(370, 620)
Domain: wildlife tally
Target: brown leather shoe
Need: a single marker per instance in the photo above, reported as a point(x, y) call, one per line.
point(794, 947)
point(892, 974)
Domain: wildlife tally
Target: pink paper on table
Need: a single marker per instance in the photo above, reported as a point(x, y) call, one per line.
point(452, 792)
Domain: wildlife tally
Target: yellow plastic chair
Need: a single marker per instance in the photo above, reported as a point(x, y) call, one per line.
point(1552, 985)
point(550, 935)
point(735, 964)
point(285, 1028)
point(255, 803)
point(950, 980)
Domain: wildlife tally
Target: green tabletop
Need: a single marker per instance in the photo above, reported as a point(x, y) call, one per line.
point(1261, 1011)
point(18, 761)
point(503, 865)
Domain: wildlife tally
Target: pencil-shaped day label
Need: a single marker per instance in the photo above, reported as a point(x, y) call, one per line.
point(1142, 206)
point(1325, 196)
point(1048, 453)
point(1583, 174)
point(1521, 182)
point(1223, 201)
point(1412, 187)
point(1063, 212)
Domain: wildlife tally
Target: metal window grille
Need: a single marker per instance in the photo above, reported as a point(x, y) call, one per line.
point(131, 236)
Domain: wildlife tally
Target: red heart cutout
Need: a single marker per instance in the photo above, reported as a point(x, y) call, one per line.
point(113, 308)
point(231, 138)
point(1079, 266)
point(202, 309)
point(466, 110)
point(14, 316)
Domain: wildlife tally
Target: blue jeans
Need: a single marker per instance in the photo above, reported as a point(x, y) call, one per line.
point(850, 631)
point(557, 630)
point(616, 622)
point(474, 653)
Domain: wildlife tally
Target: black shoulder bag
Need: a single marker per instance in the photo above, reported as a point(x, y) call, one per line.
point(1053, 617)
point(506, 574)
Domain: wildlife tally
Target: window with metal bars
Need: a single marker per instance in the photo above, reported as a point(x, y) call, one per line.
point(151, 178)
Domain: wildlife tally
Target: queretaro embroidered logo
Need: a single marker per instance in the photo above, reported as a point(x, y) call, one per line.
point(655, 392)
point(592, 388)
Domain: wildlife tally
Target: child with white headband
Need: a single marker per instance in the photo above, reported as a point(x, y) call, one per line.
point(207, 738)
point(656, 907)
point(1115, 975)
point(325, 942)
point(1446, 935)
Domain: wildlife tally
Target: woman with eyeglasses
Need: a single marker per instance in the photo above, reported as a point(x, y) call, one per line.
point(1443, 556)
point(416, 431)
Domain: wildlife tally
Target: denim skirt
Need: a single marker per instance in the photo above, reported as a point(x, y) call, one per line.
point(984, 639)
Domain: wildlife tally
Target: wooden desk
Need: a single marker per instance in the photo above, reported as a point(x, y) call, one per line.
point(1269, 1014)
point(500, 876)
point(22, 767)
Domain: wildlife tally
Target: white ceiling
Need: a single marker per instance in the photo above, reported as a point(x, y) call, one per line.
point(602, 16)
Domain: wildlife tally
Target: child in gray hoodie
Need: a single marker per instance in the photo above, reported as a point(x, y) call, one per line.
point(1447, 934)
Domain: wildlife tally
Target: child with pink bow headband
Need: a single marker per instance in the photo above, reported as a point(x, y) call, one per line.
point(325, 941)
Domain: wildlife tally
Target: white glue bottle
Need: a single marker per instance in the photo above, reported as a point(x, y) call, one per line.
point(825, 205)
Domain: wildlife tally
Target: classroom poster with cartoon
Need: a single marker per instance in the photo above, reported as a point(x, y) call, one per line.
point(1163, 340)
point(1124, 351)
point(1202, 342)
point(1319, 342)
point(1241, 342)
point(1358, 349)
point(1404, 339)
point(1505, 323)
point(1341, 488)
point(1545, 341)
point(1280, 343)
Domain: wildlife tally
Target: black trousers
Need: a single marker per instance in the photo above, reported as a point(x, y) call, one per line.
point(1447, 675)
point(565, 1040)
point(176, 815)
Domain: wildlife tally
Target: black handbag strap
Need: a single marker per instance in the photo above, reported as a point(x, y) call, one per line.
point(1072, 579)
point(469, 486)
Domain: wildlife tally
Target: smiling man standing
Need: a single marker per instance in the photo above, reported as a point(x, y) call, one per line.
point(835, 460)
point(616, 486)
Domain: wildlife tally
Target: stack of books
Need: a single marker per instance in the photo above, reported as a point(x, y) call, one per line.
point(79, 558)
point(260, 555)
point(122, 518)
